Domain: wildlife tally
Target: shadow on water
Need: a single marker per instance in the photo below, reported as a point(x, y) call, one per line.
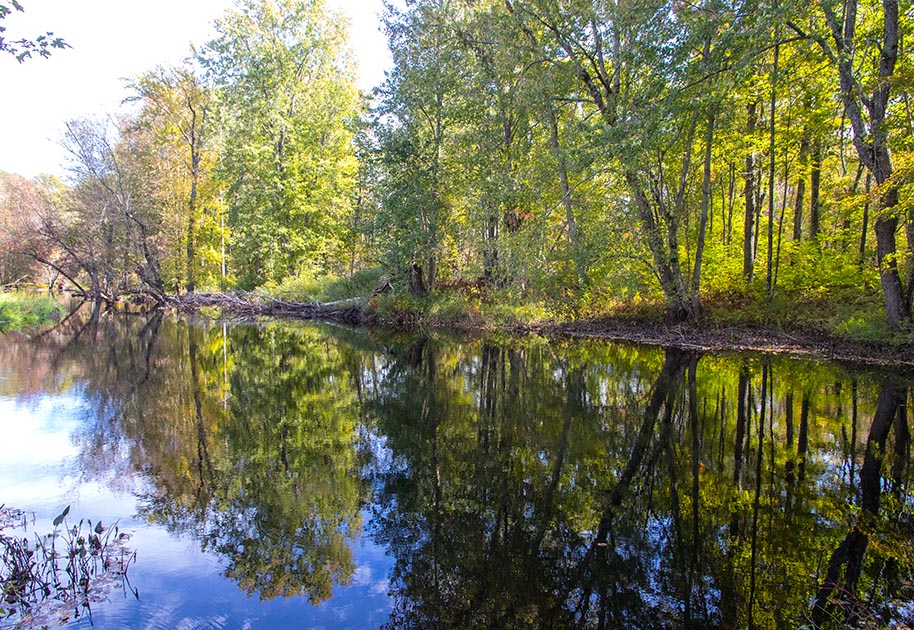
point(513, 484)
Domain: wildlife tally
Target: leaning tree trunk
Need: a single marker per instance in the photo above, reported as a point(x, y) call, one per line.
point(666, 263)
point(705, 211)
point(871, 138)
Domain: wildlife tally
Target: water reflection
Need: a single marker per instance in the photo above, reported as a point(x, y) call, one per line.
point(515, 484)
point(250, 442)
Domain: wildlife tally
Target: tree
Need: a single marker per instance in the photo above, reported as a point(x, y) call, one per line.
point(175, 120)
point(286, 87)
point(865, 84)
point(109, 196)
point(624, 57)
point(20, 201)
point(420, 110)
point(68, 233)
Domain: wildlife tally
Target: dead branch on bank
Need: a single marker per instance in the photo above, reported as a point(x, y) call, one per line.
point(351, 311)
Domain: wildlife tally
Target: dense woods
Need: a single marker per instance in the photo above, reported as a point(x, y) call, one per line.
point(585, 155)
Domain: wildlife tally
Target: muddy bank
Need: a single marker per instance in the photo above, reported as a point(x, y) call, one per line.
point(708, 337)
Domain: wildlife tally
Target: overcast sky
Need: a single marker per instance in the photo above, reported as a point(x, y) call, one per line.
point(112, 40)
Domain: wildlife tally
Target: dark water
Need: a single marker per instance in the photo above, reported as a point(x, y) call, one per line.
point(296, 476)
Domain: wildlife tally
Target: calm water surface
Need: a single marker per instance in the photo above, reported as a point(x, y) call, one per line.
point(286, 475)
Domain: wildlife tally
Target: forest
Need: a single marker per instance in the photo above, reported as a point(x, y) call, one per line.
point(723, 160)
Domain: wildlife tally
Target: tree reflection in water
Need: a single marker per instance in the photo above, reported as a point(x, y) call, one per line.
point(249, 440)
point(517, 484)
point(599, 486)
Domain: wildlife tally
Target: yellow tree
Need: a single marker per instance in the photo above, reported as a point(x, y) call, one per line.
point(174, 123)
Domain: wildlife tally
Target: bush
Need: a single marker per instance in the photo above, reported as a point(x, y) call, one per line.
point(308, 288)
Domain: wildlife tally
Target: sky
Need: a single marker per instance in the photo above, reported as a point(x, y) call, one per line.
point(112, 40)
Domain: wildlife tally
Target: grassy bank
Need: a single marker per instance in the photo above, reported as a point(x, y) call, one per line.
point(641, 323)
point(849, 333)
point(26, 311)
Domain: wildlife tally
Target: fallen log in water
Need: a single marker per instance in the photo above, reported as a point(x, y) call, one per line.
point(351, 311)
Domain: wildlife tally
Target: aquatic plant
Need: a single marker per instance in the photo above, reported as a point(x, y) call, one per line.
point(53, 578)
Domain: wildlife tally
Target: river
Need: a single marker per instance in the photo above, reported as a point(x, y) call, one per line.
point(294, 475)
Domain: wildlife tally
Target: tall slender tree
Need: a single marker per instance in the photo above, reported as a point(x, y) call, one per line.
point(176, 112)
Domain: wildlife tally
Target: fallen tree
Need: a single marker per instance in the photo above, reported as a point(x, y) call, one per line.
point(355, 311)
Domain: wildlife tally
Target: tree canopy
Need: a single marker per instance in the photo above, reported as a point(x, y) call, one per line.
point(582, 154)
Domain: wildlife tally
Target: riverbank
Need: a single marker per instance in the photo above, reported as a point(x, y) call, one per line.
point(23, 311)
point(705, 335)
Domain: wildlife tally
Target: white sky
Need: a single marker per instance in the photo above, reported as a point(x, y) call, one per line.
point(112, 40)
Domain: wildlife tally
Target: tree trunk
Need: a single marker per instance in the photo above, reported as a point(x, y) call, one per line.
point(573, 236)
point(866, 220)
point(895, 301)
point(192, 224)
point(801, 189)
point(431, 279)
point(703, 221)
point(815, 179)
point(777, 253)
point(897, 310)
point(417, 280)
point(191, 246)
point(871, 137)
point(769, 267)
point(490, 248)
point(666, 262)
point(749, 192)
point(909, 233)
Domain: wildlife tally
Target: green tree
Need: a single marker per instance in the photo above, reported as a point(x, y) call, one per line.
point(419, 111)
point(865, 78)
point(285, 83)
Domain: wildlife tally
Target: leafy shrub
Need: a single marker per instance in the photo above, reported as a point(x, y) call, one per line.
point(308, 287)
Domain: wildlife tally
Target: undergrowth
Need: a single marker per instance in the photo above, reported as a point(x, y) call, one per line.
point(858, 319)
point(309, 288)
